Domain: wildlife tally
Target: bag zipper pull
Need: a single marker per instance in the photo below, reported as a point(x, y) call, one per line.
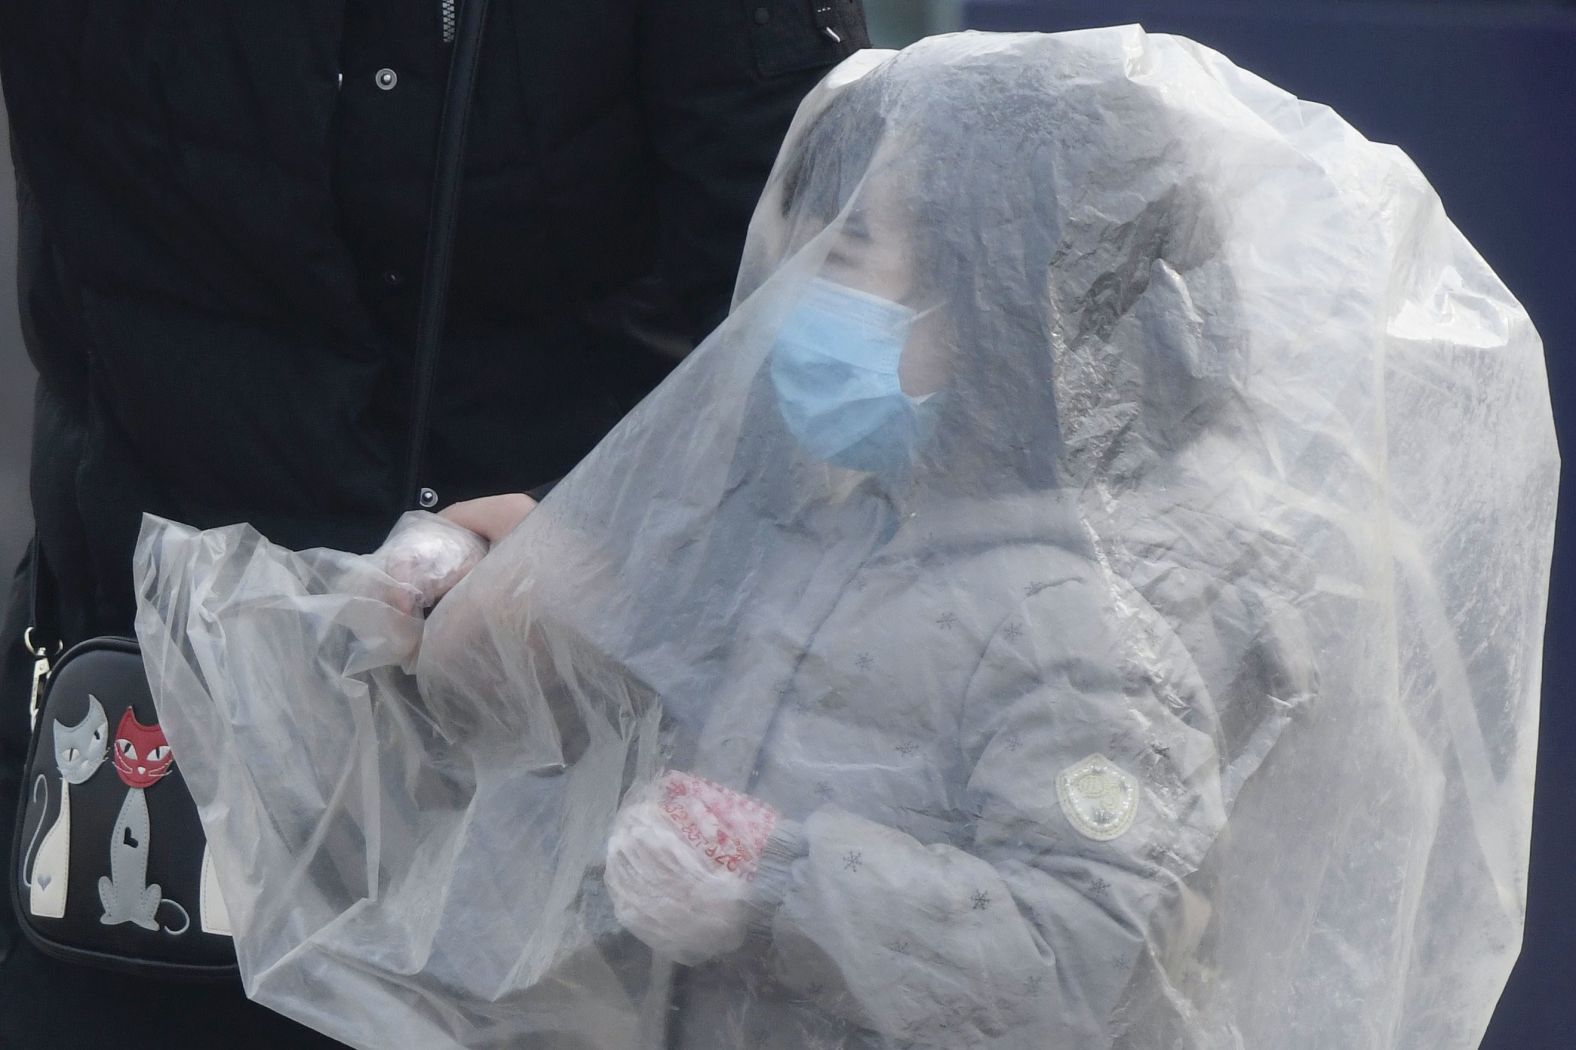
point(41, 658)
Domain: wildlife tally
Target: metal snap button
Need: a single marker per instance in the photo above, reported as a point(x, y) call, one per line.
point(428, 498)
point(393, 278)
point(387, 78)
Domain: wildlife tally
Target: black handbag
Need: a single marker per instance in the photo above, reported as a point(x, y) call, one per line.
point(110, 866)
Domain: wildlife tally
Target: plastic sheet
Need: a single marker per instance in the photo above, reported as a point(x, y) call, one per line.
point(1107, 541)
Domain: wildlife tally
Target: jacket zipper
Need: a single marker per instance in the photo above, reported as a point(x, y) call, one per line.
point(440, 239)
point(446, 11)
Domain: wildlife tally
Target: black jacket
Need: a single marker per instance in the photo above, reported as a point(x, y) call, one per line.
point(223, 210)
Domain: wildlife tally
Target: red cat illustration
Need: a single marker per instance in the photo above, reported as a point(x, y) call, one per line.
point(142, 757)
point(140, 753)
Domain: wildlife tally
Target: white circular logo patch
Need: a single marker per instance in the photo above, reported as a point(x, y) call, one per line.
point(1099, 798)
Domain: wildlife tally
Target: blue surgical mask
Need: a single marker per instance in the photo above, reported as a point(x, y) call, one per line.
point(835, 369)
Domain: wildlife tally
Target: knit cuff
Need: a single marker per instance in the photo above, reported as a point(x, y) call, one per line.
point(785, 846)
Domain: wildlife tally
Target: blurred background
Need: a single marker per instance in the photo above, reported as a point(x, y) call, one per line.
point(1482, 95)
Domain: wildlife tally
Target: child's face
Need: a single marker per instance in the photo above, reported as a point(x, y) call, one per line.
point(874, 252)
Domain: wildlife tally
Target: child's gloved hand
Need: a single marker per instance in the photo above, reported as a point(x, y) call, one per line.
point(428, 554)
point(680, 863)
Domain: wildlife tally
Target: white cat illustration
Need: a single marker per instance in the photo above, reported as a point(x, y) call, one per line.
point(214, 915)
point(79, 750)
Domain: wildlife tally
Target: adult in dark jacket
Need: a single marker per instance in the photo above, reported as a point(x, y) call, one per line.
point(223, 220)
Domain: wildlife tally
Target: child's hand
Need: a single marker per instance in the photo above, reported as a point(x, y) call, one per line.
point(679, 866)
point(429, 555)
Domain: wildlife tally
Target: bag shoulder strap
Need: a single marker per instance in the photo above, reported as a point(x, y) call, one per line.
point(42, 634)
point(37, 621)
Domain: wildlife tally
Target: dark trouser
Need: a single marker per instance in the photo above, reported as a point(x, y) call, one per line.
point(49, 1005)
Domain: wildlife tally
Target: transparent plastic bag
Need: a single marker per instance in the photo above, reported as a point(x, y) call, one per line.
point(1110, 533)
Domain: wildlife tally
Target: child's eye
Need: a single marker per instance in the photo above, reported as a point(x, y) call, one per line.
point(126, 748)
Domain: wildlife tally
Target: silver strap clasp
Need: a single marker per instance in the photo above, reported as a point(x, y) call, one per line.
point(41, 668)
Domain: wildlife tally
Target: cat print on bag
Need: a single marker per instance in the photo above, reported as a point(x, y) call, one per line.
point(212, 913)
point(141, 757)
point(46, 865)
